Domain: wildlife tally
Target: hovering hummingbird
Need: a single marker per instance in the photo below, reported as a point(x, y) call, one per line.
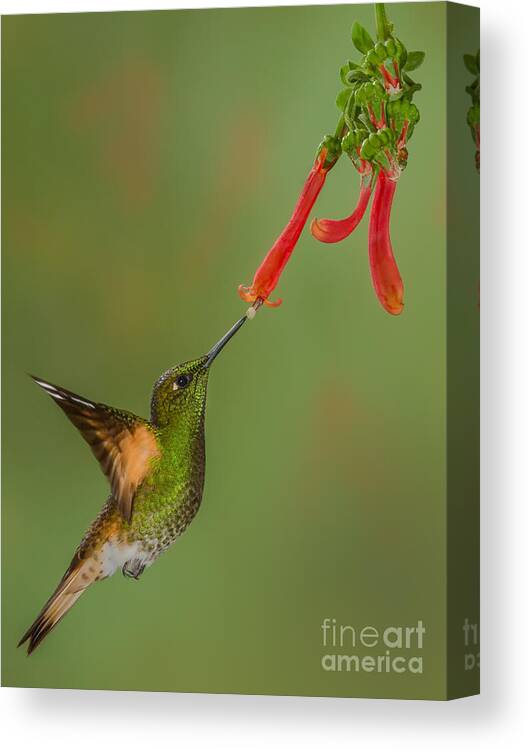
point(156, 473)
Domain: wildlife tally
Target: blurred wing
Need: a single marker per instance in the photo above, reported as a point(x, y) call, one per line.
point(123, 443)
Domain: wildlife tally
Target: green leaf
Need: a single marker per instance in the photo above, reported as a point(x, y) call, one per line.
point(355, 75)
point(344, 70)
point(361, 38)
point(471, 64)
point(415, 59)
point(342, 99)
point(412, 89)
point(402, 52)
point(347, 68)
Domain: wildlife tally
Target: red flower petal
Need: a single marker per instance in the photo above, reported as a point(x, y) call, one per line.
point(329, 230)
point(384, 271)
point(391, 83)
point(270, 270)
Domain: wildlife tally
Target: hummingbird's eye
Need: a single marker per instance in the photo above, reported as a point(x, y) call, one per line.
point(181, 381)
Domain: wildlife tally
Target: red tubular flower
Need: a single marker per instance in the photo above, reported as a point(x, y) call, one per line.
point(401, 143)
point(384, 272)
point(270, 270)
point(391, 82)
point(329, 230)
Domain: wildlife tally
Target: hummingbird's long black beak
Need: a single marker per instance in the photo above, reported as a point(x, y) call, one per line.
point(219, 346)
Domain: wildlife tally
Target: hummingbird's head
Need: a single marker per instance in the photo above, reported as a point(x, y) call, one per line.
point(182, 389)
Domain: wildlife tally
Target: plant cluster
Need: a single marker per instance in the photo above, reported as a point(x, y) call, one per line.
point(377, 120)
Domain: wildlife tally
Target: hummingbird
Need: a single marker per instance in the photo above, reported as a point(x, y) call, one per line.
point(156, 473)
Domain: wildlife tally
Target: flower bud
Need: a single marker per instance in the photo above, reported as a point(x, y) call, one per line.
point(380, 50)
point(384, 136)
point(374, 141)
point(391, 48)
point(372, 58)
point(348, 142)
point(366, 150)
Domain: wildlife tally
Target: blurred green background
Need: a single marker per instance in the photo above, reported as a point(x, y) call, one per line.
point(149, 161)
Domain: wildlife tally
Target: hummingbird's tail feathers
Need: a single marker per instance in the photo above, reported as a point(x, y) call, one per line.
point(75, 581)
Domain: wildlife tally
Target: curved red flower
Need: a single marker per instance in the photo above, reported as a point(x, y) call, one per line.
point(330, 230)
point(268, 274)
point(384, 271)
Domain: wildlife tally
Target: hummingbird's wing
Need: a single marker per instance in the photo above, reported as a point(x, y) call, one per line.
point(123, 443)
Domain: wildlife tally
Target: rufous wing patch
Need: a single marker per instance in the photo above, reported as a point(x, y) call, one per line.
point(137, 448)
point(123, 443)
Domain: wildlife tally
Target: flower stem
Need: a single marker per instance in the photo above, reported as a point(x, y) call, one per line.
point(384, 27)
point(340, 128)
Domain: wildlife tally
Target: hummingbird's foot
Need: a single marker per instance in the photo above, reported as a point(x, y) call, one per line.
point(133, 569)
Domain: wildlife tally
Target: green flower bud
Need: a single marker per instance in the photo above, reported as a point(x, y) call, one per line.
point(378, 90)
point(375, 141)
point(391, 48)
point(333, 146)
point(348, 142)
point(361, 135)
point(369, 91)
point(366, 151)
point(354, 139)
point(380, 50)
point(384, 136)
point(372, 58)
point(393, 107)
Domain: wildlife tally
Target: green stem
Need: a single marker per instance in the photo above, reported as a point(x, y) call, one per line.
point(340, 127)
point(384, 27)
